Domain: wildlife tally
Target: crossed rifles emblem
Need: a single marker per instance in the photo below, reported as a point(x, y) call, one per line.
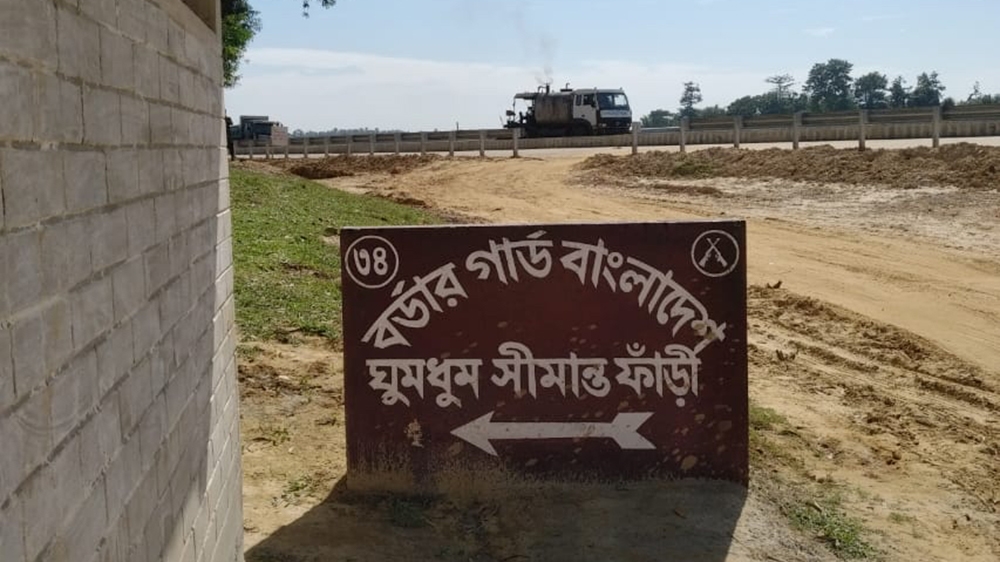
point(713, 251)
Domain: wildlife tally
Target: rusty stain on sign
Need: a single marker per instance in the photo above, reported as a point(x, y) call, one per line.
point(580, 351)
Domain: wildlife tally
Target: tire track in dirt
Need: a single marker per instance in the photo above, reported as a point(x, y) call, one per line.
point(905, 417)
point(905, 422)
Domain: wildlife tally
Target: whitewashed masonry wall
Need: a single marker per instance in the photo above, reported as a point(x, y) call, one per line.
point(118, 401)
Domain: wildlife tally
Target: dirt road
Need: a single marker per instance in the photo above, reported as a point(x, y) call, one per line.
point(881, 347)
point(874, 374)
point(949, 297)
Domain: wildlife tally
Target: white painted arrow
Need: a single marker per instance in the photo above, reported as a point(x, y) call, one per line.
point(622, 429)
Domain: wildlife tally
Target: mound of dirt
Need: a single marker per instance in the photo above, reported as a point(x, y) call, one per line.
point(962, 165)
point(257, 167)
point(340, 166)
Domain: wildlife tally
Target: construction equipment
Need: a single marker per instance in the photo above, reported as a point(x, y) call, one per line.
point(571, 112)
point(259, 129)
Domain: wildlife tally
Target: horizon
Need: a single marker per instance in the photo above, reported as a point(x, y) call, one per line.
point(350, 66)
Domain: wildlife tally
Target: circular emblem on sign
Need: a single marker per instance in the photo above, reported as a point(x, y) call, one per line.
point(372, 262)
point(715, 253)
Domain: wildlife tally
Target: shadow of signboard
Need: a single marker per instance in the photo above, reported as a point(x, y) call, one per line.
point(650, 521)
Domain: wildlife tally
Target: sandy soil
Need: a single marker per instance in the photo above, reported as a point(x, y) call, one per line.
point(296, 508)
point(881, 348)
point(951, 297)
point(945, 216)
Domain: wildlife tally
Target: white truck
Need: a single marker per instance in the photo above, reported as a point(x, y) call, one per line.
point(571, 112)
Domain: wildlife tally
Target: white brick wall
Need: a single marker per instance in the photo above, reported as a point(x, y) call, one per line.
point(79, 38)
point(28, 32)
point(16, 87)
point(33, 185)
point(118, 397)
point(87, 189)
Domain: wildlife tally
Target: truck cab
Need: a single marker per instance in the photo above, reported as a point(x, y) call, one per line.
point(607, 111)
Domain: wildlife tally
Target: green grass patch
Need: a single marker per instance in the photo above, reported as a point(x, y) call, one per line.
point(827, 521)
point(765, 419)
point(287, 277)
point(297, 488)
point(248, 352)
point(766, 426)
point(816, 509)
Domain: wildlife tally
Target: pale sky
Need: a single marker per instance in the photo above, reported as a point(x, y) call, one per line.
point(427, 64)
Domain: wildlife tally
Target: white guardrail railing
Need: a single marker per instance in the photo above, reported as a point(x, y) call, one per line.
point(932, 123)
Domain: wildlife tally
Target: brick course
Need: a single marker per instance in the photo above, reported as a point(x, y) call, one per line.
point(116, 320)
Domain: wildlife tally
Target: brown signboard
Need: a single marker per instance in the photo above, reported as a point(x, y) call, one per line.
point(571, 352)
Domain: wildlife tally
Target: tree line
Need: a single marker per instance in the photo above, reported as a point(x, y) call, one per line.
point(829, 87)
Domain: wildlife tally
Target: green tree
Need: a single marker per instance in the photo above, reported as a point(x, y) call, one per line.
point(928, 90)
point(870, 90)
point(689, 98)
point(240, 23)
point(772, 103)
point(899, 94)
point(659, 118)
point(780, 99)
point(782, 85)
point(711, 111)
point(747, 106)
point(829, 85)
